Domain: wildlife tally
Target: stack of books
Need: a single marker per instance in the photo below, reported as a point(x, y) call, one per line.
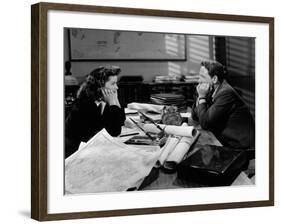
point(192, 78)
point(166, 79)
point(169, 99)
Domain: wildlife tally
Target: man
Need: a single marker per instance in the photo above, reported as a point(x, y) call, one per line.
point(221, 110)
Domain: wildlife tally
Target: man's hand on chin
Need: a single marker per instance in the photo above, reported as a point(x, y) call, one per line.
point(203, 89)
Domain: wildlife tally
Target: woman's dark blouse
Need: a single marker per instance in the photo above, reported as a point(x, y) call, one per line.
point(85, 120)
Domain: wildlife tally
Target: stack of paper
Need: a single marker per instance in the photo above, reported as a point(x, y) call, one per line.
point(191, 78)
point(169, 99)
point(166, 78)
point(146, 107)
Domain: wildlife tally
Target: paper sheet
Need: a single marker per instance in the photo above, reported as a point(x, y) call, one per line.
point(147, 107)
point(106, 165)
point(128, 123)
point(186, 115)
point(127, 131)
point(82, 144)
point(187, 131)
point(130, 111)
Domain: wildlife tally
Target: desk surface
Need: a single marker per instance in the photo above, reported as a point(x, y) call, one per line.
point(170, 181)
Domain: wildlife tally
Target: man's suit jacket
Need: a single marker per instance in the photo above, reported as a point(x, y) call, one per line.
point(85, 120)
point(227, 116)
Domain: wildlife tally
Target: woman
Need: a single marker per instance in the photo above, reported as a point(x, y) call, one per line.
point(96, 107)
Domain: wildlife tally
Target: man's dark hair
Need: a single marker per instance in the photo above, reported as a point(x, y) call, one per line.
point(215, 68)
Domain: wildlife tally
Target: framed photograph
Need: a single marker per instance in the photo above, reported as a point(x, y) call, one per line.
point(166, 49)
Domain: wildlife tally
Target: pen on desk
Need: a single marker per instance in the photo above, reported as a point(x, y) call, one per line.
point(125, 135)
point(141, 129)
point(152, 121)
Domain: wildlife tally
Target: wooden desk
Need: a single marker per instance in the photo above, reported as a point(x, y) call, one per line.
point(170, 181)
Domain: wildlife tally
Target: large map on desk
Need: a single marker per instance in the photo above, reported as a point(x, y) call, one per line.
point(105, 164)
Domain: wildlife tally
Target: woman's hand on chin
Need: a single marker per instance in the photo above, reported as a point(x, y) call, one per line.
point(110, 97)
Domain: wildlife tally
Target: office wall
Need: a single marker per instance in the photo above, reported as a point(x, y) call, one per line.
point(237, 53)
point(197, 48)
point(240, 61)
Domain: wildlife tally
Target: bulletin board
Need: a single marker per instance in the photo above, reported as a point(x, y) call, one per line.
point(101, 45)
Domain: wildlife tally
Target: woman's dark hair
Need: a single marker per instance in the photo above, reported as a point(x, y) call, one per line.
point(215, 68)
point(95, 80)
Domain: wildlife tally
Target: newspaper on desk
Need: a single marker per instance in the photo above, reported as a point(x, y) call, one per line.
point(105, 164)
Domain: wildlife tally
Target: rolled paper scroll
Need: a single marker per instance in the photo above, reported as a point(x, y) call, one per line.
point(167, 149)
point(181, 149)
point(184, 130)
